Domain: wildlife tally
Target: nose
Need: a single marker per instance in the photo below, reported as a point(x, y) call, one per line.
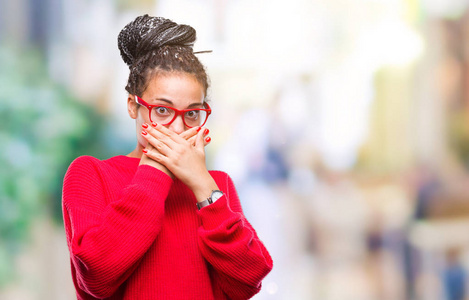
point(177, 125)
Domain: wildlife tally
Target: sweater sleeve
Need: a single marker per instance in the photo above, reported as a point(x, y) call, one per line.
point(231, 246)
point(107, 238)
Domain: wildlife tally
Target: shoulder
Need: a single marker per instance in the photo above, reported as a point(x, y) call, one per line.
point(90, 166)
point(222, 179)
point(79, 178)
point(85, 159)
point(83, 168)
point(84, 162)
point(90, 161)
point(218, 174)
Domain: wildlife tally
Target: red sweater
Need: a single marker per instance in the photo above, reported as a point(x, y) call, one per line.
point(135, 233)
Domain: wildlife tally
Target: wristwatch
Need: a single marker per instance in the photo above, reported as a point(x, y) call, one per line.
point(216, 194)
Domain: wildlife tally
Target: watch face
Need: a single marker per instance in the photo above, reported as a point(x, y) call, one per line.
point(216, 195)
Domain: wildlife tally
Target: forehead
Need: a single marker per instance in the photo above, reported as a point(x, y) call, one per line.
point(180, 88)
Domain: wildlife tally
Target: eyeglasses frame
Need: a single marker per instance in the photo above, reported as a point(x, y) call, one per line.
point(178, 112)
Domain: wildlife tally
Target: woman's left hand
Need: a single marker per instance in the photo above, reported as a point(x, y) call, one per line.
point(185, 158)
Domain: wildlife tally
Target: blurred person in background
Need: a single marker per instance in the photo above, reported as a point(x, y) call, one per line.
point(155, 224)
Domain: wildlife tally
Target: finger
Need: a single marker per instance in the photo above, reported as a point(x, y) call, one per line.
point(199, 141)
point(147, 147)
point(156, 156)
point(207, 140)
point(169, 133)
point(157, 134)
point(190, 133)
point(194, 138)
point(162, 147)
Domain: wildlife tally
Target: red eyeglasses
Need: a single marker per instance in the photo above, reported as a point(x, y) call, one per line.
point(165, 115)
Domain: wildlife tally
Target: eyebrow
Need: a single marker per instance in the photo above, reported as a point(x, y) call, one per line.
point(192, 105)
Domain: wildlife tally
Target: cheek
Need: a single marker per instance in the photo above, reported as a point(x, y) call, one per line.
point(141, 140)
point(139, 121)
point(141, 118)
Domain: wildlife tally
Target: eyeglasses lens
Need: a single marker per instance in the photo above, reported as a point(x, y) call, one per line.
point(164, 115)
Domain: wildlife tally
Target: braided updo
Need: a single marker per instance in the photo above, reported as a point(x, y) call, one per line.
point(153, 45)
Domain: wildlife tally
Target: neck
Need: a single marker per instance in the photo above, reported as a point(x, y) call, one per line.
point(137, 152)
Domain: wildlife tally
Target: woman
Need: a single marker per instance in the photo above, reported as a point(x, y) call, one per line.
point(155, 224)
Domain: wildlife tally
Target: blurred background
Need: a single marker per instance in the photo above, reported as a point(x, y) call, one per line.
point(343, 123)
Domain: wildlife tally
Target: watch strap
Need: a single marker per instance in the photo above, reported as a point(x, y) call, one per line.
point(210, 199)
point(204, 203)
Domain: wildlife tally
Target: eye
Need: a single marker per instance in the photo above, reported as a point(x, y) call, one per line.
point(162, 111)
point(193, 114)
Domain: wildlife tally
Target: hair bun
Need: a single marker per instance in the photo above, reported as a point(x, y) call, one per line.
point(146, 33)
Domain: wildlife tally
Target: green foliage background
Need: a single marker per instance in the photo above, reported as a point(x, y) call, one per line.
point(43, 128)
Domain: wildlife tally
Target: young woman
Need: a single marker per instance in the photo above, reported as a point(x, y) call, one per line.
point(155, 224)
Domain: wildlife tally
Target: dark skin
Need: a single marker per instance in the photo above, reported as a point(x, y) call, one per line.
point(174, 149)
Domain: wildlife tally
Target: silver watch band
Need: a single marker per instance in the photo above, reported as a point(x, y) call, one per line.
point(204, 203)
point(214, 196)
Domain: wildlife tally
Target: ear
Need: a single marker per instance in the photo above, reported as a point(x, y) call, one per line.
point(132, 106)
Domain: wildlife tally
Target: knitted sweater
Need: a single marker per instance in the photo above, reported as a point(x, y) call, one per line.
point(135, 233)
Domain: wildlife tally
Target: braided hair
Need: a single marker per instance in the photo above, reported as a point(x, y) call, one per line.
point(154, 45)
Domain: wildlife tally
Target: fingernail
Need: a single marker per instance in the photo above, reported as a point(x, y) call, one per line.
point(208, 139)
point(206, 131)
point(198, 129)
point(144, 132)
point(154, 124)
point(145, 125)
point(145, 151)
